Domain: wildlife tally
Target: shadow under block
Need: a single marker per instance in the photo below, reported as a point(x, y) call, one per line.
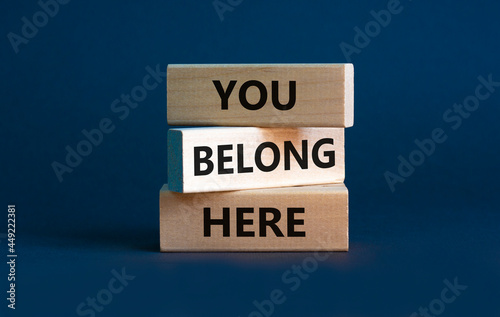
point(229, 158)
point(263, 95)
point(306, 218)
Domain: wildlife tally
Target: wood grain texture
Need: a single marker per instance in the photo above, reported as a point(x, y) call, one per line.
point(319, 160)
point(324, 95)
point(325, 219)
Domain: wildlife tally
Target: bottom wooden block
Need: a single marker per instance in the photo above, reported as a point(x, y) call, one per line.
point(306, 218)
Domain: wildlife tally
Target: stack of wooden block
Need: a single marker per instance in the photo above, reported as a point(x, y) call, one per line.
point(268, 174)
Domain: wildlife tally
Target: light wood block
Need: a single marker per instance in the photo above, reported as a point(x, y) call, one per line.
point(230, 158)
point(307, 218)
point(323, 95)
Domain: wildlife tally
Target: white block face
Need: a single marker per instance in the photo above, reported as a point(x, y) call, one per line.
point(227, 158)
point(305, 218)
point(261, 95)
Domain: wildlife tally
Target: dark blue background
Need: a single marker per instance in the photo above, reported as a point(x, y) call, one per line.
point(442, 222)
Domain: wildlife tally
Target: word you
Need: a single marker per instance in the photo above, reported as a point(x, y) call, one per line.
point(224, 94)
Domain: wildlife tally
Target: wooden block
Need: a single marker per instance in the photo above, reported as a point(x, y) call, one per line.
point(307, 218)
point(230, 158)
point(262, 95)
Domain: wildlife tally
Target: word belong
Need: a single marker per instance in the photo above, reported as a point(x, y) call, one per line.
point(289, 151)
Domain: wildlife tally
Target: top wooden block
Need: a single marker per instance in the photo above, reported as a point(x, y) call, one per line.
point(261, 95)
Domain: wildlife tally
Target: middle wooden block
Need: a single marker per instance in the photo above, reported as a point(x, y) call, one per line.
point(227, 158)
